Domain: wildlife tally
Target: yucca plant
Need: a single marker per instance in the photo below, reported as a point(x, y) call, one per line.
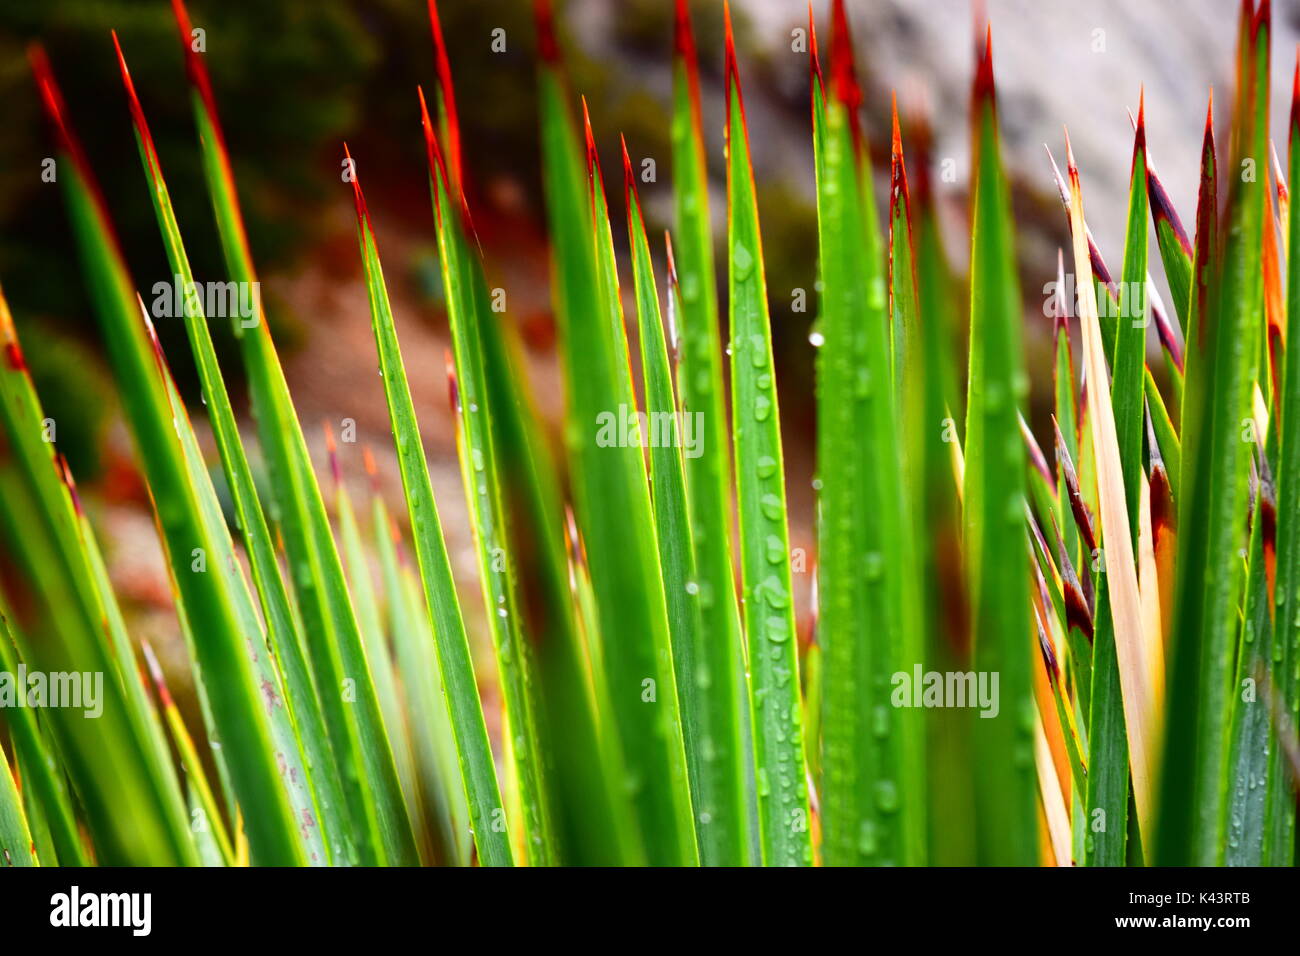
point(1088, 659)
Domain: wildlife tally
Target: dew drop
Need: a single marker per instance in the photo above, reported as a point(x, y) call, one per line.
point(774, 592)
point(741, 261)
point(868, 845)
point(880, 722)
point(886, 796)
point(873, 566)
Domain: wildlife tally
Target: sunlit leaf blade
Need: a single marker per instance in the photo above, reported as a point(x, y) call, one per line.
point(43, 781)
point(1128, 361)
point(442, 804)
point(210, 595)
point(607, 471)
point(208, 819)
point(722, 787)
point(589, 812)
point(1108, 786)
point(872, 784)
point(1111, 303)
point(282, 628)
point(669, 436)
point(1224, 335)
point(1107, 790)
point(467, 313)
point(764, 535)
point(480, 781)
point(68, 634)
point(270, 683)
point(910, 382)
point(994, 502)
point(366, 601)
point(1279, 838)
point(671, 807)
point(1166, 437)
point(329, 624)
point(1252, 739)
point(1175, 248)
point(943, 599)
point(1141, 674)
point(16, 845)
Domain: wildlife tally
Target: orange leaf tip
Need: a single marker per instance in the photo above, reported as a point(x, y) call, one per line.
point(1071, 167)
point(897, 168)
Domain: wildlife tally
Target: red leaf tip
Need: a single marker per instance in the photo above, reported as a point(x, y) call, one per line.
point(362, 214)
point(1262, 19)
point(547, 47)
point(332, 452)
point(985, 88)
point(9, 338)
point(814, 58)
point(593, 157)
point(432, 150)
point(448, 92)
point(896, 137)
point(683, 35)
point(629, 178)
point(133, 101)
point(1140, 133)
point(732, 71)
point(897, 169)
point(56, 110)
point(51, 97)
point(684, 50)
point(1295, 91)
point(156, 673)
point(453, 389)
point(194, 67)
point(730, 56)
point(843, 70)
